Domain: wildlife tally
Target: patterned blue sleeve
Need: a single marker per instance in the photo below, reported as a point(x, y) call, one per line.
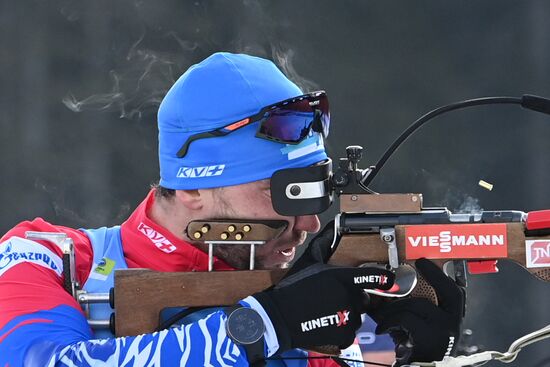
point(203, 343)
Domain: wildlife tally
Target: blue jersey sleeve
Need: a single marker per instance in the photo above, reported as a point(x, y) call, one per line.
point(202, 343)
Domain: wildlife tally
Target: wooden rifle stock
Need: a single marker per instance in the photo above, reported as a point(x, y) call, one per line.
point(141, 294)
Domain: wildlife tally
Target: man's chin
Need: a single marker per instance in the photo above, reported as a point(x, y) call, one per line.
point(285, 265)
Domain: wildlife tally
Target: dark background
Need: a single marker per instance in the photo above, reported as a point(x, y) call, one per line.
point(80, 84)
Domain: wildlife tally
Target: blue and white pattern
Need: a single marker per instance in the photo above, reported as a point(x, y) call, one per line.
point(203, 343)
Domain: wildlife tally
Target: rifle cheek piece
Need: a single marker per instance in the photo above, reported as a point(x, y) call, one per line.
point(302, 191)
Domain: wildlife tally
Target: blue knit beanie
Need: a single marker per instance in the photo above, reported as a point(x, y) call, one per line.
point(222, 89)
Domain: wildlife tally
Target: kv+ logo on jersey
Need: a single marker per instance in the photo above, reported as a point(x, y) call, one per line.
point(206, 171)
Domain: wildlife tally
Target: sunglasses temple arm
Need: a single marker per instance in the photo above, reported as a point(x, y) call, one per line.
point(210, 134)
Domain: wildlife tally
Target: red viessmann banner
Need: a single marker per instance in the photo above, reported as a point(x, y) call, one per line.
point(456, 241)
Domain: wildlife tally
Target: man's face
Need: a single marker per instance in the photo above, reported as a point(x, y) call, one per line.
point(253, 201)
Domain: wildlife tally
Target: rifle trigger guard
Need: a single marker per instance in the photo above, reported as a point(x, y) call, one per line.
point(388, 236)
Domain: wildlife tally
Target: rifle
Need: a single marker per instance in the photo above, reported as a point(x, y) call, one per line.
point(389, 230)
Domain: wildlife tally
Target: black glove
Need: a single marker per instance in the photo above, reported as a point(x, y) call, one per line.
point(422, 331)
point(320, 304)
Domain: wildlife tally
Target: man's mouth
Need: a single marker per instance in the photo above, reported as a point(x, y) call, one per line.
point(287, 252)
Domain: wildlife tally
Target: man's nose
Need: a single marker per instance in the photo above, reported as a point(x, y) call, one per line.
point(308, 223)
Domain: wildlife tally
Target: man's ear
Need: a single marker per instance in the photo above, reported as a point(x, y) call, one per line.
point(192, 199)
